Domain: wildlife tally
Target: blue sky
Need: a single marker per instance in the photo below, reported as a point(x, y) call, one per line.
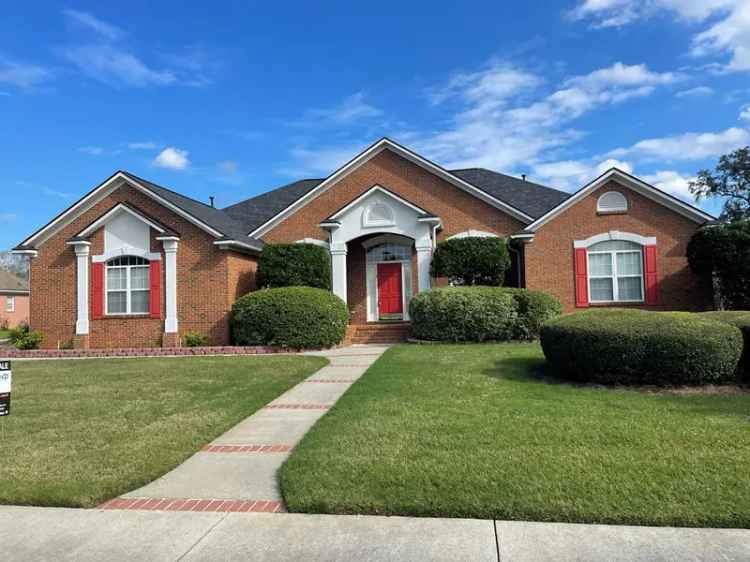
point(232, 99)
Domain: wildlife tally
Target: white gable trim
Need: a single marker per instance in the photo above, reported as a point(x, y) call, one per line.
point(471, 233)
point(639, 186)
point(117, 208)
point(615, 235)
point(375, 189)
point(98, 193)
point(367, 155)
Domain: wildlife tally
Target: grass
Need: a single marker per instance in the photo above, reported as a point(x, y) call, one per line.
point(83, 431)
point(4, 334)
point(475, 431)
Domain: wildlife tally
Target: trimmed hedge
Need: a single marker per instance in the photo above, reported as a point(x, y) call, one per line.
point(294, 265)
point(639, 347)
point(534, 309)
point(472, 260)
point(740, 319)
point(293, 317)
point(463, 314)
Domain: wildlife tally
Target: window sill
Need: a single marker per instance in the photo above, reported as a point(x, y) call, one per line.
point(617, 303)
point(125, 316)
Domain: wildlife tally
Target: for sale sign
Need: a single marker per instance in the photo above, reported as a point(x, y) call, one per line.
point(5, 377)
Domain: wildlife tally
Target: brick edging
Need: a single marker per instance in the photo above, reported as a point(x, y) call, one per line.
point(185, 504)
point(141, 352)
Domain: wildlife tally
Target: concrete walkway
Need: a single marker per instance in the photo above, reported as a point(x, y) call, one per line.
point(29, 534)
point(237, 471)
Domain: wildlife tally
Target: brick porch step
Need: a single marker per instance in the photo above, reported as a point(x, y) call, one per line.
point(376, 332)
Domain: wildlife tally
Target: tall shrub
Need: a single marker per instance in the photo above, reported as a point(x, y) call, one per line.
point(472, 260)
point(723, 252)
point(294, 265)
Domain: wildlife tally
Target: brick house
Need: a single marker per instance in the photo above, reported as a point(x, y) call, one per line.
point(14, 300)
point(135, 264)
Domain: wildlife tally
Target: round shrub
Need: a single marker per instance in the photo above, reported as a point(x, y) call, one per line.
point(23, 337)
point(640, 347)
point(472, 260)
point(294, 265)
point(294, 317)
point(740, 319)
point(534, 309)
point(463, 314)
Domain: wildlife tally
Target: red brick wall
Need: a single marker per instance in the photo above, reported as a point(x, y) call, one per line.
point(20, 313)
point(205, 286)
point(549, 258)
point(458, 210)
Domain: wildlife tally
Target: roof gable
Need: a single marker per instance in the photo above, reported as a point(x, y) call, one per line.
point(368, 154)
point(631, 182)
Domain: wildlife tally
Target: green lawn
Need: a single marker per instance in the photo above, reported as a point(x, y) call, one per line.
point(83, 431)
point(4, 334)
point(474, 431)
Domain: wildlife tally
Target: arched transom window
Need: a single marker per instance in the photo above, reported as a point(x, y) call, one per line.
point(127, 285)
point(388, 252)
point(615, 270)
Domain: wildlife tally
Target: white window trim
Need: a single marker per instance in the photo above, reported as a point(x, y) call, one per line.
point(128, 291)
point(10, 303)
point(614, 276)
point(614, 235)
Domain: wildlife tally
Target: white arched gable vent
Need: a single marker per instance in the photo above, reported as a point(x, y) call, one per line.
point(378, 214)
point(473, 234)
point(612, 202)
point(315, 241)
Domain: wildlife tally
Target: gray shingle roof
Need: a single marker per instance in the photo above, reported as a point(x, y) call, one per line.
point(531, 198)
point(12, 282)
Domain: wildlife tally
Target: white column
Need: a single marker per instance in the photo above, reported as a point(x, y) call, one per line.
point(170, 275)
point(338, 269)
point(82, 287)
point(424, 257)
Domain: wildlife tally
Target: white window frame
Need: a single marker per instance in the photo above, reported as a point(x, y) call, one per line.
point(10, 303)
point(128, 290)
point(614, 277)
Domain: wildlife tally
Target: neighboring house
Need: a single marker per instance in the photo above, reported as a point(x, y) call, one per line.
point(134, 263)
point(14, 299)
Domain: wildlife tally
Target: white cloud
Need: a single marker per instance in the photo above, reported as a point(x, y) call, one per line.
point(570, 175)
point(143, 145)
point(697, 92)
point(502, 127)
point(320, 161)
point(687, 146)
point(228, 166)
point(85, 19)
point(92, 150)
point(8, 217)
point(172, 158)
point(728, 21)
point(351, 109)
point(672, 182)
point(745, 113)
point(613, 163)
point(115, 66)
point(22, 75)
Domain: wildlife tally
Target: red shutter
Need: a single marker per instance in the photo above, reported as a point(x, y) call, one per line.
point(582, 281)
point(650, 277)
point(155, 288)
point(97, 290)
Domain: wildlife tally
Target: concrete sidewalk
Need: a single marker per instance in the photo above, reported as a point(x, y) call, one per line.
point(31, 534)
point(240, 467)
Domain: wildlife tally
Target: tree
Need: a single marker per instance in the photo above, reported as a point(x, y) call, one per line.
point(730, 179)
point(471, 260)
point(18, 265)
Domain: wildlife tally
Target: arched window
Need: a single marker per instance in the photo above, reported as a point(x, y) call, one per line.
point(378, 214)
point(612, 202)
point(388, 252)
point(127, 285)
point(615, 269)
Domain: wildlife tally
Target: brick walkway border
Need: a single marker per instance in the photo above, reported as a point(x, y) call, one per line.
point(180, 504)
point(11, 353)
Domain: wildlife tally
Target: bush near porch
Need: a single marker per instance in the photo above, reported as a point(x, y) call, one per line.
point(292, 317)
point(740, 319)
point(477, 314)
point(294, 265)
point(473, 260)
point(637, 347)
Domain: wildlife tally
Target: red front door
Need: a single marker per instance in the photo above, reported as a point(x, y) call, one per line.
point(390, 299)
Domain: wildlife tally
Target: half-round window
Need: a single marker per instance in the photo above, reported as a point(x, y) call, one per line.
point(378, 214)
point(388, 252)
point(128, 285)
point(612, 202)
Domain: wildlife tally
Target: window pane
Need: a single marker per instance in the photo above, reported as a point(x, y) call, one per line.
point(600, 264)
point(610, 245)
point(116, 302)
point(116, 279)
point(629, 289)
point(139, 301)
point(601, 290)
point(389, 252)
point(629, 264)
point(139, 278)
